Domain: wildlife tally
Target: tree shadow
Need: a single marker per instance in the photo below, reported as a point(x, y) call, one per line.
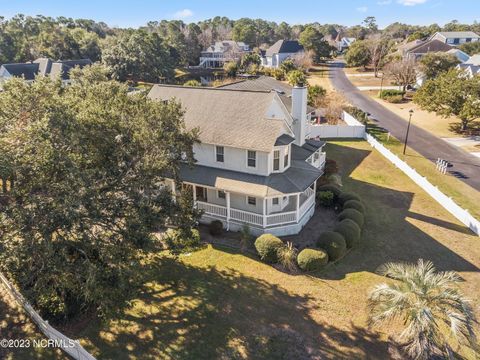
point(188, 312)
point(388, 235)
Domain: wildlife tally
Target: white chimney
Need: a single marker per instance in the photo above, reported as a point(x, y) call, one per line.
point(299, 113)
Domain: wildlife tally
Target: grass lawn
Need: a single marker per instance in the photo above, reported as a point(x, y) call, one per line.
point(16, 325)
point(219, 304)
point(370, 80)
point(320, 75)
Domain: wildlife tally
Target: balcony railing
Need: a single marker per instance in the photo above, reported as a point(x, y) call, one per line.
point(259, 220)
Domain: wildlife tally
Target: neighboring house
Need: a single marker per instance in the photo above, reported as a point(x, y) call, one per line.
point(344, 43)
point(459, 54)
point(419, 50)
point(216, 55)
point(43, 67)
point(469, 69)
point(256, 165)
point(280, 51)
point(455, 38)
point(473, 60)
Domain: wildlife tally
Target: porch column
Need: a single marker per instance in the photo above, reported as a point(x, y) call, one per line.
point(298, 208)
point(264, 212)
point(194, 191)
point(228, 209)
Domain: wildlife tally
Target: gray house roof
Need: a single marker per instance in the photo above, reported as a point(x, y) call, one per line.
point(25, 70)
point(296, 179)
point(266, 83)
point(284, 46)
point(430, 46)
point(226, 117)
point(45, 66)
point(473, 60)
point(458, 34)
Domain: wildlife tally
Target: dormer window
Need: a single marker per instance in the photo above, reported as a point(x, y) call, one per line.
point(251, 158)
point(276, 160)
point(220, 153)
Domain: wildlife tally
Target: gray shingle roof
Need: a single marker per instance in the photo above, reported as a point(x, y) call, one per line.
point(226, 117)
point(25, 70)
point(459, 34)
point(266, 83)
point(45, 66)
point(306, 150)
point(284, 46)
point(430, 46)
point(284, 139)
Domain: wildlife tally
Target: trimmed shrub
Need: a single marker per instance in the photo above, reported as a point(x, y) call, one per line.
point(349, 230)
point(178, 240)
point(312, 259)
point(352, 214)
point(329, 187)
point(325, 198)
point(267, 247)
point(333, 243)
point(345, 196)
point(397, 99)
point(215, 228)
point(390, 92)
point(354, 204)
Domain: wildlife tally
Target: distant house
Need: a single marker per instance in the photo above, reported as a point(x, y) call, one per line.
point(418, 50)
point(344, 43)
point(280, 51)
point(43, 67)
point(469, 69)
point(459, 54)
point(455, 38)
point(218, 54)
point(473, 60)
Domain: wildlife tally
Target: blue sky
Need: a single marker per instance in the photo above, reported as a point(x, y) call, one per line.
point(348, 12)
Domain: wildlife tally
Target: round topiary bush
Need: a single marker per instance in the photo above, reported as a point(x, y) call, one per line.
point(333, 243)
point(349, 230)
point(215, 228)
point(352, 214)
point(267, 246)
point(354, 204)
point(329, 187)
point(345, 196)
point(325, 198)
point(312, 259)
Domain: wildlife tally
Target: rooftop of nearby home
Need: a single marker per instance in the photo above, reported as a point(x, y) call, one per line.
point(458, 34)
point(284, 46)
point(44, 66)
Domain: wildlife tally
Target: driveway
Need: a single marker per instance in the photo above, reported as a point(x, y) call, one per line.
point(466, 167)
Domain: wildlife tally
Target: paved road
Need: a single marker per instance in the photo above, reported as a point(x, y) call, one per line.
point(464, 166)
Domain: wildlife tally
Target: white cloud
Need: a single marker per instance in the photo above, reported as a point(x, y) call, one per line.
point(183, 14)
point(411, 2)
point(362, 9)
point(384, 2)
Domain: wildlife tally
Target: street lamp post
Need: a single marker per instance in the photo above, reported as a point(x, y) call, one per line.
point(408, 130)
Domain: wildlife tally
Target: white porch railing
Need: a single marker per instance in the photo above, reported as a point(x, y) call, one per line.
point(212, 209)
point(246, 216)
point(282, 218)
point(307, 203)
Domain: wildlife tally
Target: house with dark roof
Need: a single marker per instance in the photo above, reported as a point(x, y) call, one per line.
point(417, 51)
point(280, 51)
point(256, 163)
point(42, 67)
point(455, 38)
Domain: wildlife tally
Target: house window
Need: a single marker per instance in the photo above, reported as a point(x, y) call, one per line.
point(251, 200)
point(316, 156)
point(251, 158)
point(275, 201)
point(201, 193)
point(276, 160)
point(285, 159)
point(220, 151)
point(221, 194)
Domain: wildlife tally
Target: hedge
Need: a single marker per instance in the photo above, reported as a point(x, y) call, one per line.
point(329, 187)
point(354, 204)
point(352, 214)
point(312, 259)
point(267, 246)
point(333, 243)
point(349, 230)
point(345, 196)
point(215, 228)
point(390, 92)
point(325, 198)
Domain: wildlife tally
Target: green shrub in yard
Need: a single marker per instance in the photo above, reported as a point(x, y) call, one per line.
point(390, 92)
point(352, 214)
point(329, 187)
point(287, 255)
point(312, 259)
point(178, 240)
point(345, 196)
point(333, 243)
point(325, 198)
point(267, 246)
point(215, 228)
point(354, 204)
point(349, 230)
point(397, 99)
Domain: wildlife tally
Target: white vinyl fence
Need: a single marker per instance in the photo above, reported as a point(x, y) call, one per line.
point(351, 129)
point(461, 214)
point(71, 347)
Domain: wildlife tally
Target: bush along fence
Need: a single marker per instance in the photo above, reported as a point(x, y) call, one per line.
point(69, 346)
point(461, 214)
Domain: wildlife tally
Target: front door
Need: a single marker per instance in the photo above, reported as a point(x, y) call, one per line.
point(201, 193)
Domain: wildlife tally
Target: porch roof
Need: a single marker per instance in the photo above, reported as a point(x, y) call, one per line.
point(296, 179)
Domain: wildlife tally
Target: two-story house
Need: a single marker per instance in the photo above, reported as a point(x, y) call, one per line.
point(280, 51)
point(455, 38)
point(255, 163)
point(218, 54)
